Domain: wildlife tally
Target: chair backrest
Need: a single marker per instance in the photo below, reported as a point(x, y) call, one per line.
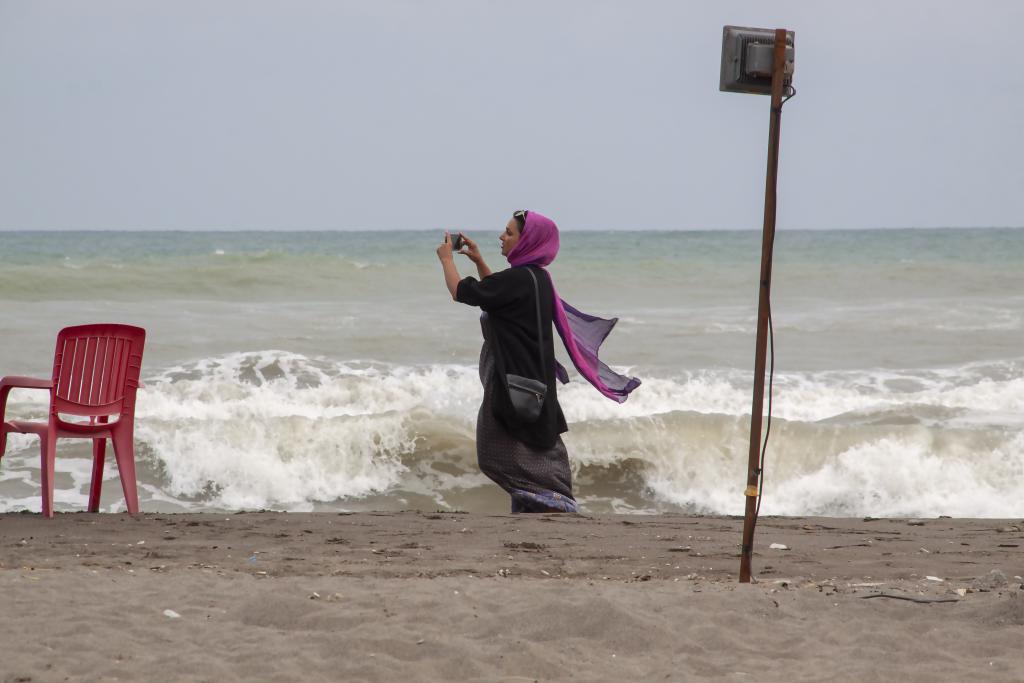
point(96, 369)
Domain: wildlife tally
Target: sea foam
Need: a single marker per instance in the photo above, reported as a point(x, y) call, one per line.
point(276, 429)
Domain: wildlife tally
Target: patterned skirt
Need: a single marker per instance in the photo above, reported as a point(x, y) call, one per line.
point(537, 479)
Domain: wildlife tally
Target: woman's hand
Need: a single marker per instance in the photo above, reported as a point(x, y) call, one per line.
point(444, 252)
point(470, 250)
point(451, 273)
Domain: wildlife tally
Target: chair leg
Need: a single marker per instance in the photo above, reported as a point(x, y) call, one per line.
point(99, 455)
point(124, 453)
point(48, 457)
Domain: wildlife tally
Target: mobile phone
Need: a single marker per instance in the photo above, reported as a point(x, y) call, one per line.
point(457, 242)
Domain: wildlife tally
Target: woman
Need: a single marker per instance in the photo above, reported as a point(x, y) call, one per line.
point(528, 458)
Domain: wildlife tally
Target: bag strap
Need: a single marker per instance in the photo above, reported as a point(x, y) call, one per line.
point(540, 330)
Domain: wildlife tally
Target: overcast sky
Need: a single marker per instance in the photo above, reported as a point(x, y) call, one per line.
point(387, 114)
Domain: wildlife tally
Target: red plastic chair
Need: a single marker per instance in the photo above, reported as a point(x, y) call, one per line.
point(95, 375)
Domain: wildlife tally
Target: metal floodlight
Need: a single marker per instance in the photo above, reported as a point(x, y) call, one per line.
point(747, 60)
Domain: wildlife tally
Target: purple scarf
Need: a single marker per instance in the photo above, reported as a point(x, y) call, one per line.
point(582, 334)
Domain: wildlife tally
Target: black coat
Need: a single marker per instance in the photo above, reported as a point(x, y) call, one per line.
point(508, 299)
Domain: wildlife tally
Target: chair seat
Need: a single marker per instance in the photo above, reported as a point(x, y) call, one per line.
point(81, 431)
point(25, 427)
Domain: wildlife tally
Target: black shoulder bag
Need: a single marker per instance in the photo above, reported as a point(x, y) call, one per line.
point(527, 395)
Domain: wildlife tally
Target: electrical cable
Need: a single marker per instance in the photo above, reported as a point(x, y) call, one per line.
point(768, 420)
point(923, 601)
point(771, 372)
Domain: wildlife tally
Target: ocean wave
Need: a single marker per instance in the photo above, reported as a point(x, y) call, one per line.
point(282, 430)
point(697, 463)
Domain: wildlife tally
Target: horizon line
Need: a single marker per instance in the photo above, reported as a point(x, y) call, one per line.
point(574, 229)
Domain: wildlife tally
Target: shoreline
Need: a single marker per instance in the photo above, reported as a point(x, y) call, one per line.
point(468, 596)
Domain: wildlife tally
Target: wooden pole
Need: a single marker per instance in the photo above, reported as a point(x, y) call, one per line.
point(761, 345)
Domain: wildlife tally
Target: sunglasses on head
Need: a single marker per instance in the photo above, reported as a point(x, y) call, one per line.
point(520, 214)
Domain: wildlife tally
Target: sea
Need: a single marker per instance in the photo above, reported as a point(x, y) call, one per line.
point(331, 371)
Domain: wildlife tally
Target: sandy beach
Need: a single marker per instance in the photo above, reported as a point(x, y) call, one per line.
point(456, 596)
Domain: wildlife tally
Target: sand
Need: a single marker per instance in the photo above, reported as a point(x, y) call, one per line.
point(453, 597)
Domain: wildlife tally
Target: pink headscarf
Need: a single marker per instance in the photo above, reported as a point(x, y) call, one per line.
point(582, 334)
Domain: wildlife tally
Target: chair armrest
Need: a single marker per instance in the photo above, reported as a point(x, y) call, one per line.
point(8, 383)
point(13, 382)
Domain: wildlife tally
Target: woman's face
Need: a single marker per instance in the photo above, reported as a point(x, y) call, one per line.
point(509, 238)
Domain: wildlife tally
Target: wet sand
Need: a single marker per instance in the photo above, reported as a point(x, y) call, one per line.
point(452, 597)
